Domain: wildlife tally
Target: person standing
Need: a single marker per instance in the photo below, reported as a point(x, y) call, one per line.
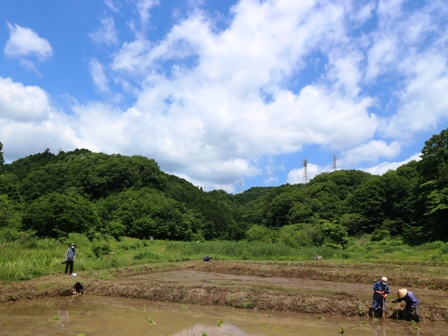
point(380, 292)
point(70, 257)
point(412, 303)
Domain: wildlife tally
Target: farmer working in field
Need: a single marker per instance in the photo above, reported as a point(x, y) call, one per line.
point(380, 292)
point(70, 257)
point(412, 303)
point(78, 288)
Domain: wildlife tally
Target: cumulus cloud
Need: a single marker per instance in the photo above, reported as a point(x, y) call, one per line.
point(20, 103)
point(29, 124)
point(217, 102)
point(370, 152)
point(386, 166)
point(24, 42)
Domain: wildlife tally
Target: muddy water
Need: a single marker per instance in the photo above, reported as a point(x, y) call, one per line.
point(92, 316)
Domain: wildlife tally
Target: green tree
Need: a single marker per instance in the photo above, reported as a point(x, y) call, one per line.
point(432, 213)
point(335, 234)
point(260, 233)
point(57, 215)
point(9, 213)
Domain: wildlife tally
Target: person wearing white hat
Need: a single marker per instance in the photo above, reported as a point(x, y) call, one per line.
point(412, 303)
point(380, 292)
point(70, 257)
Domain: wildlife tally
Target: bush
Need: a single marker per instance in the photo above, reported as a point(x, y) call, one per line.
point(378, 235)
point(100, 249)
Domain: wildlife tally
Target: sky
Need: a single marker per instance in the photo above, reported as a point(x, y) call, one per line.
point(226, 94)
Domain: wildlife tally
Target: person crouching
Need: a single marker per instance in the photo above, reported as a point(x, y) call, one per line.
point(78, 288)
point(412, 303)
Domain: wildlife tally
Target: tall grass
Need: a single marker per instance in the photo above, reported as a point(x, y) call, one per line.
point(249, 250)
point(29, 258)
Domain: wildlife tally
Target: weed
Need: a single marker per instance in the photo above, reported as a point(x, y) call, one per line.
point(55, 318)
point(276, 329)
point(150, 320)
point(220, 323)
point(342, 330)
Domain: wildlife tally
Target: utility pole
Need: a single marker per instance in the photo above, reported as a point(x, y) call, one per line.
point(241, 186)
point(334, 162)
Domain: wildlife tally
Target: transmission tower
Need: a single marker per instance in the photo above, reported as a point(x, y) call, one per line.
point(305, 172)
point(241, 186)
point(334, 162)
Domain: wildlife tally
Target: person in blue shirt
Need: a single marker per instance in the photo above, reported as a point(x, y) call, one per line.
point(380, 292)
point(70, 257)
point(412, 303)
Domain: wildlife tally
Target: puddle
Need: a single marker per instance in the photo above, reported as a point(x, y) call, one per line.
point(92, 316)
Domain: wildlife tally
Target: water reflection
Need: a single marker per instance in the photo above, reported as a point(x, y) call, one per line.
point(223, 330)
point(63, 317)
point(91, 315)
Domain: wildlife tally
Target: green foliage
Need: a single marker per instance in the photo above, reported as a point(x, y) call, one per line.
point(56, 215)
point(100, 249)
point(89, 193)
point(260, 233)
point(335, 234)
point(379, 234)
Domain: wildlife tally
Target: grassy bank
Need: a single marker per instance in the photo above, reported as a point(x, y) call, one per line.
point(30, 257)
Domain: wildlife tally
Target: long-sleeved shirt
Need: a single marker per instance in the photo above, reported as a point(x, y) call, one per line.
point(379, 286)
point(71, 254)
point(410, 299)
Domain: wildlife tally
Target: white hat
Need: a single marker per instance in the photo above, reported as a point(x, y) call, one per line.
point(402, 293)
point(384, 279)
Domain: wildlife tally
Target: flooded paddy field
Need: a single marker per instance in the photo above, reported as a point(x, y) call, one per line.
point(91, 315)
point(225, 298)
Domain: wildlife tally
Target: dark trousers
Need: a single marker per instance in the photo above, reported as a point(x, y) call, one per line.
point(68, 264)
point(407, 310)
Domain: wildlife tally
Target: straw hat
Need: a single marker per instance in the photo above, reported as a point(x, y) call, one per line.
point(402, 293)
point(384, 279)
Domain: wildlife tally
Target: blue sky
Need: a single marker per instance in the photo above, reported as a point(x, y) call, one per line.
point(226, 94)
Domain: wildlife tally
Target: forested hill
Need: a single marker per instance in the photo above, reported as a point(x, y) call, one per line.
point(85, 192)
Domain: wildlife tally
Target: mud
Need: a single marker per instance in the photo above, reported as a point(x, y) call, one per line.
point(318, 288)
point(91, 315)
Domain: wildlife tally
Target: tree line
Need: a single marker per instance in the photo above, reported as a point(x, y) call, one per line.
point(52, 195)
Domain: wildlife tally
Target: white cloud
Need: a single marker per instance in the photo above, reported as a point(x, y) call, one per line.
point(24, 42)
point(211, 100)
point(297, 176)
point(424, 100)
point(98, 76)
point(29, 124)
point(20, 103)
point(370, 152)
point(143, 7)
point(386, 166)
point(106, 34)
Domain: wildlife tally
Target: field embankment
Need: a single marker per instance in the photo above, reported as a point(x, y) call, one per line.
point(317, 287)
